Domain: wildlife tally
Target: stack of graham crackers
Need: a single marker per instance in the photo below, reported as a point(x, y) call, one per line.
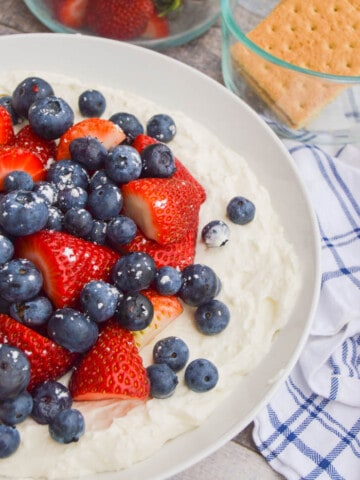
point(319, 35)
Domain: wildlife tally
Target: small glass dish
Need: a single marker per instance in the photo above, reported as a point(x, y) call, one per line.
point(297, 101)
point(193, 19)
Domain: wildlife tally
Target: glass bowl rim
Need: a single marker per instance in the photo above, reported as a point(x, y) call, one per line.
point(229, 22)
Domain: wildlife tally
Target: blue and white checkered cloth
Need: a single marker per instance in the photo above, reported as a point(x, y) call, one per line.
point(311, 428)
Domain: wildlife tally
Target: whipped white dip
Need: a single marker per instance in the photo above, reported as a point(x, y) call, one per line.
point(259, 272)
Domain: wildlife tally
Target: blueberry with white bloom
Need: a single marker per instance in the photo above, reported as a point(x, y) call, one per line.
point(173, 351)
point(134, 311)
point(121, 230)
point(71, 197)
point(157, 161)
point(23, 212)
point(67, 426)
point(72, 330)
point(98, 232)
point(78, 222)
point(18, 180)
point(14, 371)
point(47, 191)
point(33, 312)
point(168, 280)
point(55, 219)
point(50, 117)
point(99, 178)
point(20, 280)
point(123, 164)
point(162, 127)
point(99, 300)
point(92, 103)
point(105, 202)
point(9, 440)
point(15, 410)
point(88, 151)
point(49, 398)
point(212, 317)
point(199, 284)
point(240, 210)
point(6, 249)
point(27, 92)
point(66, 173)
point(201, 375)
point(215, 233)
point(133, 272)
point(163, 380)
point(129, 124)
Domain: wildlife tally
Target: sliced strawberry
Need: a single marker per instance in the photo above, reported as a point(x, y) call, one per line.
point(70, 13)
point(181, 173)
point(112, 369)
point(157, 27)
point(166, 310)
point(7, 135)
point(104, 130)
point(177, 254)
point(66, 263)
point(29, 140)
point(164, 209)
point(48, 360)
point(17, 158)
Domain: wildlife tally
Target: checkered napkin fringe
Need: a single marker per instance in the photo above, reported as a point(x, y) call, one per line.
point(311, 428)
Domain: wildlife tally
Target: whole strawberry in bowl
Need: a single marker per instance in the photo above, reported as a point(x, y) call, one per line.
point(150, 23)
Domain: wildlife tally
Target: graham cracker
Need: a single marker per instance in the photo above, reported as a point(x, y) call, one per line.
point(319, 35)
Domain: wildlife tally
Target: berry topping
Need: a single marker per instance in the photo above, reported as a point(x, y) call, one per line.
point(19, 158)
point(215, 233)
point(162, 127)
point(18, 180)
point(163, 380)
point(157, 161)
point(67, 426)
point(99, 300)
point(173, 351)
point(50, 398)
point(20, 280)
point(133, 272)
point(27, 92)
point(199, 284)
point(33, 312)
point(88, 151)
point(7, 135)
point(9, 440)
point(168, 280)
point(129, 124)
point(16, 409)
point(212, 317)
point(123, 164)
point(240, 210)
point(14, 371)
point(29, 140)
point(92, 103)
point(50, 117)
point(134, 312)
point(201, 375)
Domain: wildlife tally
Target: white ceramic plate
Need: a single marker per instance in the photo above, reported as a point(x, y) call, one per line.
point(177, 86)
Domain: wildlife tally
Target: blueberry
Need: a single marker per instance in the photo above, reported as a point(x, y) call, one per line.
point(72, 330)
point(47, 191)
point(98, 232)
point(6, 249)
point(67, 174)
point(20, 280)
point(215, 233)
point(162, 127)
point(133, 272)
point(9, 440)
point(6, 102)
point(157, 161)
point(78, 222)
point(168, 280)
point(240, 210)
point(67, 426)
point(105, 202)
point(92, 103)
point(99, 179)
point(14, 371)
point(199, 284)
point(212, 317)
point(23, 212)
point(88, 151)
point(32, 313)
point(163, 380)
point(123, 164)
point(49, 398)
point(18, 180)
point(71, 197)
point(15, 410)
point(173, 351)
point(201, 375)
point(121, 230)
point(55, 219)
point(99, 300)
point(134, 311)
point(129, 124)
point(27, 92)
point(50, 117)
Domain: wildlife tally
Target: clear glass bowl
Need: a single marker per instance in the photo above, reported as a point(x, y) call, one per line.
point(194, 19)
point(297, 102)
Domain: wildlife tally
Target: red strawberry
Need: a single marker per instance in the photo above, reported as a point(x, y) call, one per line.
point(7, 134)
point(70, 13)
point(48, 360)
point(119, 19)
point(164, 209)
point(66, 263)
point(157, 27)
point(181, 173)
point(177, 254)
point(166, 310)
point(28, 139)
point(104, 130)
point(112, 368)
point(17, 158)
